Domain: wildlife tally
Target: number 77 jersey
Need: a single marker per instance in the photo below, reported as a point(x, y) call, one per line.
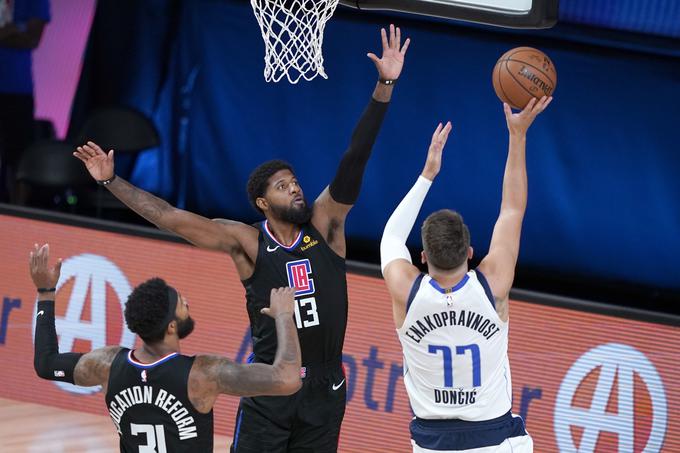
point(455, 351)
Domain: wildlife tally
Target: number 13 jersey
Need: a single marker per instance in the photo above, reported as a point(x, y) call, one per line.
point(455, 351)
point(319, 276)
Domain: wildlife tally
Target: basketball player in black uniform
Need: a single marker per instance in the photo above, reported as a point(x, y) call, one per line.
point(297, 245)
point(160, 400)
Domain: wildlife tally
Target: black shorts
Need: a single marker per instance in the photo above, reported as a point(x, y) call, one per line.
point(308, 421)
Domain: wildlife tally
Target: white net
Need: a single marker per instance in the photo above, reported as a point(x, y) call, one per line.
point(293, 37)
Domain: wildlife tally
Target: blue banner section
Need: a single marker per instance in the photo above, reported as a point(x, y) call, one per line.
point(603, 160)
point(657, 17)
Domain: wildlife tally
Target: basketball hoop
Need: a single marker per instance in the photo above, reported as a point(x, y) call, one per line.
point(292, 31)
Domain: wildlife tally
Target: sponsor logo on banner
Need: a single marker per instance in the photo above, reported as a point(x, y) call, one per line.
point(90, 275)
point(614, 407)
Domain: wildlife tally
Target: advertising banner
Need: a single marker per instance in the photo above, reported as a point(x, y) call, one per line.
point(583, 382)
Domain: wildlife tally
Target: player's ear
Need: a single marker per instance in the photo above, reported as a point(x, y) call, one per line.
point(423, 257)
point(262, 203)
point(470, 252)
point(172, 328)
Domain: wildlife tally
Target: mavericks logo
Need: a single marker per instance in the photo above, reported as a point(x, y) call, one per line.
point(612, 394)
point(90, 278)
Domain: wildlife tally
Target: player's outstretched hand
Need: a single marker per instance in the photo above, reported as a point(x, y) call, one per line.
point(42, 274)
point(393, 53)
point(433, 163)
point(518, 123)
point(281, 302)
point(98, 163)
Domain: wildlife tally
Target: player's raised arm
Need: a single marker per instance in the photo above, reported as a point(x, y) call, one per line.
point(227, 236)
point(212, 375)
point(499, 265)
point(395, 259)
point(80, 369)
point(332, 206)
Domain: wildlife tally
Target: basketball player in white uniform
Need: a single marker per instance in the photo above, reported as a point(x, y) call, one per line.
point(453, 322)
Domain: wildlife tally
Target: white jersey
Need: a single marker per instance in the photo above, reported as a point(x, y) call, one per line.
point(455, 351)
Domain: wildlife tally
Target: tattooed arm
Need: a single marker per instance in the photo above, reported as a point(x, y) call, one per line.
point(200, 231)
point(212, 375)
point(93, 368)
point(235, 238)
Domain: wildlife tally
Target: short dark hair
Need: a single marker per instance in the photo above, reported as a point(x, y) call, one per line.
point(446, 239)
point(259, 179)
point(147, 308)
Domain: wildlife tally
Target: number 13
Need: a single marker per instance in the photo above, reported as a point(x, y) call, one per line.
point(310, 312)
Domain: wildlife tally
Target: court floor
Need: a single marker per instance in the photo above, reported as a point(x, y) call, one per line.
point(34, 428)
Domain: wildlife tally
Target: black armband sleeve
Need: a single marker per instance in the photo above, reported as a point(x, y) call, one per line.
point(346, 185)
point(48, 363)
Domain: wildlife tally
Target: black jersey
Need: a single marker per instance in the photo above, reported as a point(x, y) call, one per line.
point(319, 276)
point(150, 406)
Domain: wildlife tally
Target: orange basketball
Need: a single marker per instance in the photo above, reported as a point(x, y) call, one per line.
point(523, 73)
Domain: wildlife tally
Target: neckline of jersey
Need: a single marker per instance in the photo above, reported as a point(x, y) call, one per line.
point(138, 364)
point(287, 247)
point(453, 289)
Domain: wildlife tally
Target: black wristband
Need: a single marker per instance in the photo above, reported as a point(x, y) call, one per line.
point(106, 182)
point(46, 290)
point(388, 82)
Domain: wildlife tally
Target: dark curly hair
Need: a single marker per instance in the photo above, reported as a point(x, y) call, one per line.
point(446, 239)
point(146, 309)
point(259, 179)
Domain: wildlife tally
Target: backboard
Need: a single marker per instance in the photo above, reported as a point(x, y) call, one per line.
point(502, 13)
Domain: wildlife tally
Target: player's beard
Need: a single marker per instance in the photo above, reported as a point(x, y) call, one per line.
point(185, 327)
point(296, 215)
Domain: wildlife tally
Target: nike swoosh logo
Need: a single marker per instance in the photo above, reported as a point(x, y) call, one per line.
point(41, 312)
point(269, 249)
point(337, 386)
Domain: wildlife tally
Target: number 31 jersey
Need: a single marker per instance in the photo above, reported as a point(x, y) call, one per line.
point(150, 407)
point(455, 351)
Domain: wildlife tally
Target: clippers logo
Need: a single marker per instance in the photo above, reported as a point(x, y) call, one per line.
point(612, 395)
point(93, 276)
point(298, 277)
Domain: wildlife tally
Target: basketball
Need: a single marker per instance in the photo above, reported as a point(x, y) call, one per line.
point(523, 73)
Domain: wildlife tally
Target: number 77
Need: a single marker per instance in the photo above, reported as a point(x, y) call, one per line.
point(448, 362)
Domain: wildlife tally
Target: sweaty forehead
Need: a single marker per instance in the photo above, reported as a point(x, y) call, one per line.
point(281, 175)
